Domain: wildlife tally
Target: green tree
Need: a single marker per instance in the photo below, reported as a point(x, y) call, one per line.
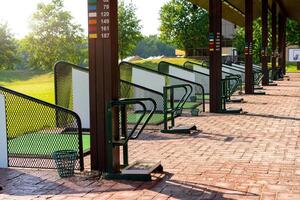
point(184, 25)
point(54, 37)
point(129, 29)
point(293, 32)
point(239, 40)
point(153, 46)
point(8, 48)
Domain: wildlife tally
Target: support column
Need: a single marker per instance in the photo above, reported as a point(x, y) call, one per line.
point(104, 77)
point(274, 40)
point(249, 85)
point(215, 54)
point(284, 46)
point(264, 53)
point(281, 44)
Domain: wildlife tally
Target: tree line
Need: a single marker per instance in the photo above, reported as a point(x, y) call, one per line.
point(55, 36)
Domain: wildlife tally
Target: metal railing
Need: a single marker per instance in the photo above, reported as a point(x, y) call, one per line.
point(36, 129)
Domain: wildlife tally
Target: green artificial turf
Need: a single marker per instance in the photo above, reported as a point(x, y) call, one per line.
point(187, 105)
point(45, 144)
point(157, 118)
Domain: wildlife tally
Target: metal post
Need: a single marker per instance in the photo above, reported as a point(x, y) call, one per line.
point(274, 40)
point(284, 46)
point(264, 53)
point(104, 78)
point(215, 54)
point(249, 84)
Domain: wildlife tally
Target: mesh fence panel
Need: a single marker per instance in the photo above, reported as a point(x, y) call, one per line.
point(234, 70)
point(234, 84)
point(64, 94)
point(156, 80)
point(257, 74)
point(37, 129)
point(129, 90)
point(202, 68)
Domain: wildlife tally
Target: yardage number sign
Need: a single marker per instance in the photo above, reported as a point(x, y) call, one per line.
point(103, 28)
point(104, 24)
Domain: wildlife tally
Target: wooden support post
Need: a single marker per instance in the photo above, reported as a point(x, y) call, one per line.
point(249, 82)
point(281, 43)
point(264, 52)
point(274, 40)
point(280, 37)
point(104, 77)
point(284, 46)
point(215, 54)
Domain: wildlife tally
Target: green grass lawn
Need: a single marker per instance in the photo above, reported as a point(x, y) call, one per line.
point(292, 68)
point(32, 117)
point(33, 83)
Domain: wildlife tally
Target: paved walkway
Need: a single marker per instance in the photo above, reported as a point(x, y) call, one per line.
point(253, 156)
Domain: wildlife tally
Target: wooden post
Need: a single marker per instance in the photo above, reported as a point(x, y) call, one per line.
point(249, 82)
point(284, 46)
point(264, 52)
point(274, 39)
point(215, 54)
point(104, 76)
point(281, 43)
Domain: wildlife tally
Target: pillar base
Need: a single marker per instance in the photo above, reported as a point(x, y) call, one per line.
point(258, 87)
point(272, 84)
point(259, 93)
point(232, 110)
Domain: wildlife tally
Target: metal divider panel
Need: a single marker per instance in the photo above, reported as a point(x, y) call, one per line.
point(232, 70)
point(3, 134)
point(148, 80)
point(184, 75)
point(81, 100)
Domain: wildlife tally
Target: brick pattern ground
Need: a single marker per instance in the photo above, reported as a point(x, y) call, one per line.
point(252, 156)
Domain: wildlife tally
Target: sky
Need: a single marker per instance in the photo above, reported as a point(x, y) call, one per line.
point(17, 16)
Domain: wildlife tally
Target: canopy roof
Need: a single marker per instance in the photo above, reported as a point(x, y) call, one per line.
point(234, 10)
point(290, 8)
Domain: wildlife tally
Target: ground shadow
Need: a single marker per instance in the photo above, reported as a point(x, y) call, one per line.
point(271, 116)
point(283, 95)
point(9, 76)
point(199, 134)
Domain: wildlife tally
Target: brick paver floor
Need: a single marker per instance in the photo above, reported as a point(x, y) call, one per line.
point(255, 155)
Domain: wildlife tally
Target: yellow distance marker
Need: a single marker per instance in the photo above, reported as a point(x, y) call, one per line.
point(93, 36)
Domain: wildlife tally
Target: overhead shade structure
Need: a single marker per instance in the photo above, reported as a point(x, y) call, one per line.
point(290, 8)
point(233, 10)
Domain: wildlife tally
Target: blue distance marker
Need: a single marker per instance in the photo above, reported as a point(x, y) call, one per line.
point(92, 8)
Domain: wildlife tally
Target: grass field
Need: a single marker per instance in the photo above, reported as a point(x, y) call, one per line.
point(36, 84)
point(292, 68)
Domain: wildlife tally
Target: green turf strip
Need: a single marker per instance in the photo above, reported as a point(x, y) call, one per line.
point(188, 105)
point(46, 143)
point(157, 118)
